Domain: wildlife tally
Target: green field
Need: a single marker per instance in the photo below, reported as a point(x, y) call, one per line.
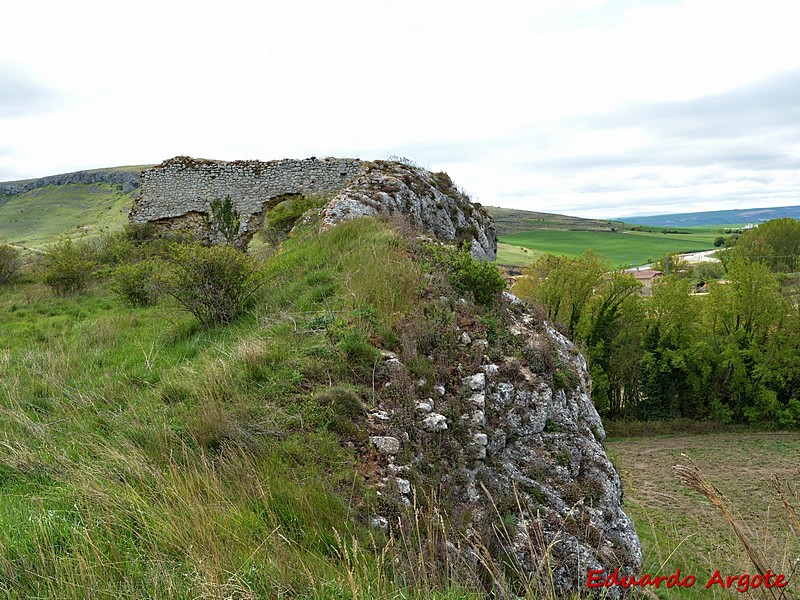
point(41, 216)
point(508, 254)
point(620, 247)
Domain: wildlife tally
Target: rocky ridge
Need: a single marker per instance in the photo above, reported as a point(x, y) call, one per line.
point(509, 439)
point(129, 179)
point(431, 201)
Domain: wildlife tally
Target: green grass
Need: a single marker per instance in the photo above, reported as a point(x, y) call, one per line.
point(41, 216)
point(517, 256)
point(620, 248)
point(143, 456)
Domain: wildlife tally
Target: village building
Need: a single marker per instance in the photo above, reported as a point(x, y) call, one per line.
point(646, 277)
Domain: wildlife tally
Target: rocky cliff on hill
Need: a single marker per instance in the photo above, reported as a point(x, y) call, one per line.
point(129, 179)
point(430, 201)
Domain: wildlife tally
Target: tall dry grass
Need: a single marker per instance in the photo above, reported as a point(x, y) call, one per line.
point(765, 559)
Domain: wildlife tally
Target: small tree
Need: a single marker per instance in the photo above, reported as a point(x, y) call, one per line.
point(135, 283)
point(564, 286)
point(214, 283)
point(68, 267)
point(225, 219)
point(9, 262)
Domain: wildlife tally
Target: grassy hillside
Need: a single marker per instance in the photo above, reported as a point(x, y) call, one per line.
point(513, 255)
point(145, 456)
point(43, 215)
point(680, 529)
point(509, 221)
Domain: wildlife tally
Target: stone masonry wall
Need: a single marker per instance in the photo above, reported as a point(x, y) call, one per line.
point(185, 185)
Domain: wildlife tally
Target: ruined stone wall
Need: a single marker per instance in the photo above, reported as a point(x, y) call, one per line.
point(178, 194)
point(185, 185)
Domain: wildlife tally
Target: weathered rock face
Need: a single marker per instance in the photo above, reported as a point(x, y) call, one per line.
point(128, 179)
point(186, 186)
point(431, 201)
point(514, 446)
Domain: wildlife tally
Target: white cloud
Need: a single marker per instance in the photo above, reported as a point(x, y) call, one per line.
point(512, 99)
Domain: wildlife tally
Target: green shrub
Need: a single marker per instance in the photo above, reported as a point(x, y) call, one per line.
point(216, 284)
point(68, 267)
point(481, 278)
point(278, 221)
point(140, 233)
point(114, 249)
point(135, 283)
point(9, 262)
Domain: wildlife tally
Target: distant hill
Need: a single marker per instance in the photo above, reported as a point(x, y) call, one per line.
point(129, 178)
point(510, 220)
point(718, 217)
point(37, 212)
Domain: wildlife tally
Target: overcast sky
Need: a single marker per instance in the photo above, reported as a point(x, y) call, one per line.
point(584, 107)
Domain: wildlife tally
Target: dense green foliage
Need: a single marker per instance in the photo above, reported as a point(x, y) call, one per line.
point(775, 243)
point(481, 279)
point(278, 221)
point(732, 355)
point(215, 284)
point(68, 267)
point(563, 286)
point(135, 283)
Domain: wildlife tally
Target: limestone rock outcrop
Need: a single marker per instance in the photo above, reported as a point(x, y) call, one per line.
point(521, 460)
point(431, 201)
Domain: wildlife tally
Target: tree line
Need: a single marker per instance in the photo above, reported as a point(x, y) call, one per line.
point(731, 355)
